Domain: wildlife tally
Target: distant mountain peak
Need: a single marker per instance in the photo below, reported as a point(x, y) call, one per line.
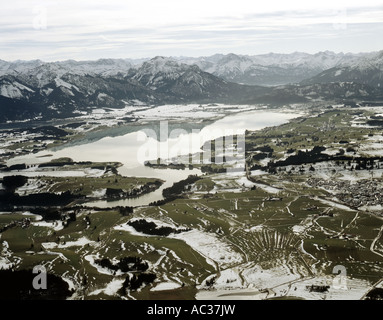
point(365, 69)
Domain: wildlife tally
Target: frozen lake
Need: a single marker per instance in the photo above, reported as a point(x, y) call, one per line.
point(158, 139)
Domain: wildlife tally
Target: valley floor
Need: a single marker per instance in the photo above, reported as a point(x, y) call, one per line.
point(299, 215)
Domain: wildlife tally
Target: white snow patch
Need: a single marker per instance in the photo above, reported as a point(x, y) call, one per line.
point(91, 259)
point(257, 228)
point(166, 286)
point(334, 204)
point(209, 246)
point(228, 279)
point(258, 173)
point(5, 263)
point(377, 207)
point(55, 225)
point(245, 182)
point(111, 288)
point(98, 193)
point(81, 242)
point(64, 84)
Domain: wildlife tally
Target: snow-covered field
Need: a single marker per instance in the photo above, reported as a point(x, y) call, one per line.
point(216, 251)
point(110, 289)
point(373, 146)
point(279, 282)
point(237, 182)
point(191, 111)
point(301, 228)
point(141, 112)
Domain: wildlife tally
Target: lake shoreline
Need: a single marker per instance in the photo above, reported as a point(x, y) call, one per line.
point(108, 148)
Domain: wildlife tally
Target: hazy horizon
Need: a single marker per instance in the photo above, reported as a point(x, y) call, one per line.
point(191, 57)
point(92, 30)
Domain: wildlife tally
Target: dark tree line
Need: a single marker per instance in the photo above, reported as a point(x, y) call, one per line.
point(260, 156)
point(375, 294)
point(39, 199)
point(210, 169)
point(11, 183)
point(21, 166)
point(125, 211)
point(314, 155)
point(162, 202)
point(8, 197)
point(115, 193)
point(178, 187)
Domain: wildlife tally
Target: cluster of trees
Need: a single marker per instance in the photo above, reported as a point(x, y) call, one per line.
point(178, 166)
point(375, 294)
point(20, 166)
point(52, 214)
point(211, 169)
point(211, 281)
point(112, 193)
point(8, 197)
point(162, 202)
point(49, 131)
point(318, 288)
point(151, 228)
point(135, 282)
point(312, 156)
point(125, 264)
point(365, 163)
point(260, 156)
point(360, 163)
point(115, 193)
point(375, 123)
point(125, 211)
point(178, 187)
point(255, 167)
point(74, 125)
point(11, 183)
point(56, 164)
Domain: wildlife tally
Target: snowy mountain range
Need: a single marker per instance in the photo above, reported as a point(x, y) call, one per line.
point(61, 89)
point(367, 70)
point(272, 69)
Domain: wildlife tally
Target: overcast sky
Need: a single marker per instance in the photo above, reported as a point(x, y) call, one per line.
point(53, 30)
